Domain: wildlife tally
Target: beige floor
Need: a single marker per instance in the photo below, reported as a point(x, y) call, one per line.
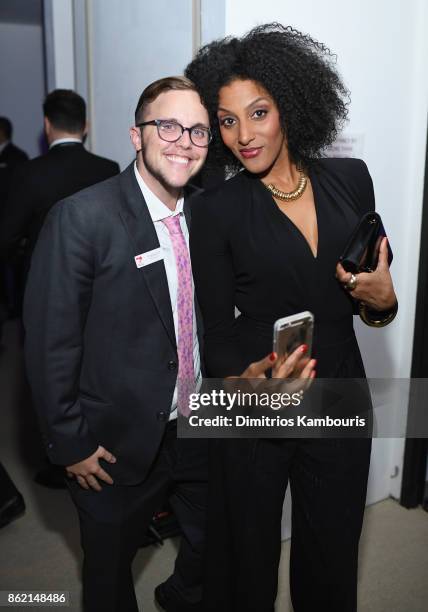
point(40, 551)
point(393, 573)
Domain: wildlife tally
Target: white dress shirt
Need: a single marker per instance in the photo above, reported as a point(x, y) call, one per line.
point(158, 211)
point(64, 140)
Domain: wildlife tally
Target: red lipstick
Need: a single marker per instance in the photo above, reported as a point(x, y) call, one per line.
point(250, 152)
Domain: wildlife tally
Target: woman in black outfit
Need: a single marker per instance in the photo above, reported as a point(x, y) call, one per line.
point(268, 242)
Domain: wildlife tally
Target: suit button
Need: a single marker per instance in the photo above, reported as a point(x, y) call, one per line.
point(50, 445)
point(162, 416)
point(172, 365)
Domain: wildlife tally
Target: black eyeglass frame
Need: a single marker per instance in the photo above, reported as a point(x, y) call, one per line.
point(158, 122)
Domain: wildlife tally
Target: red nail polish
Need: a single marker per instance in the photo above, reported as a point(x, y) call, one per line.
point(272, 356)
point(304, 348)
point(315, 362)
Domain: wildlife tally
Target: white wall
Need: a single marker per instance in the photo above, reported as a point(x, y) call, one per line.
point(59, 43)
point(109, 56)
point(22, 82)
point(130, 46)
point(212, 20)
point(382, 49)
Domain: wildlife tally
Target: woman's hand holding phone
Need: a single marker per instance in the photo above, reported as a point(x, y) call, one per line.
point(295, 366)
point(291, 374)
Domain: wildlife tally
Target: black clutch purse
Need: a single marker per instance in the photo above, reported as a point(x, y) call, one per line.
point(361, 254)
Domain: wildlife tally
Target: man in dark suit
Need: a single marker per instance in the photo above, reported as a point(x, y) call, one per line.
point(66, 168)
point(35, 187)
point(111, 334)
point(10, 157)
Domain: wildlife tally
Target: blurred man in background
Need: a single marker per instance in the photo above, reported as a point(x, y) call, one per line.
point(65, 169)
point(38, 184)
point(10, 157)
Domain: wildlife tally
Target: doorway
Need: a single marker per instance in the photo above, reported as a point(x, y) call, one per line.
point(415, 474)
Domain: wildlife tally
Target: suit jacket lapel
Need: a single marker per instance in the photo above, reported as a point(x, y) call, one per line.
point(187, 213)
point(189, 192)
point(141, 230)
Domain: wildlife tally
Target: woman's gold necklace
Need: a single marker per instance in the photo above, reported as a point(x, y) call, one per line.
point(290, 195)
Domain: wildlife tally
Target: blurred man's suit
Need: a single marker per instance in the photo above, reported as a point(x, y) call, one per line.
point(36, 185)
point(118, 357)
point(10, 157)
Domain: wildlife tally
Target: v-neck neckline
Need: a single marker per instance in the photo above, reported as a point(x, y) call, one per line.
point(291, 223)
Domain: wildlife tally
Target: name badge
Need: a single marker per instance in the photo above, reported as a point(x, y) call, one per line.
point(144, 259)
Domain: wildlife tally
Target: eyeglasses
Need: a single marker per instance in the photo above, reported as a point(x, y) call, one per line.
point(171, 131)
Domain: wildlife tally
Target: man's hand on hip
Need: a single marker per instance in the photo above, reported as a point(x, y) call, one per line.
point(89, 470)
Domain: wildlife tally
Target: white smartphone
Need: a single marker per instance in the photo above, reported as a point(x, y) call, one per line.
point(290, 332)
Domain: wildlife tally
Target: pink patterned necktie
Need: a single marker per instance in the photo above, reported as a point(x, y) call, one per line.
point(186, 370)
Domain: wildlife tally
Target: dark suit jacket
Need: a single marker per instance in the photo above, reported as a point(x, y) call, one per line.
point(100, 343)
point(39, 183)
point(10, 157)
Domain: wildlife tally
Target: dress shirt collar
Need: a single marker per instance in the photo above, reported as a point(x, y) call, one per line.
point(157, 209)
point(59, 141)
point(3, 145)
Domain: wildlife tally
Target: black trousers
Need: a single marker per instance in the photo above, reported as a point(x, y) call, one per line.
point(248, 481)
point(113, 522)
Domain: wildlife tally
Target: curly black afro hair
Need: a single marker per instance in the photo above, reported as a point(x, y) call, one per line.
point(298, 73)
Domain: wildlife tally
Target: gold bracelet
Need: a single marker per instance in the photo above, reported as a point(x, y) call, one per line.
point(375, 318)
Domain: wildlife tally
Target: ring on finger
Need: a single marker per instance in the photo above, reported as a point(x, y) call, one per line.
point(352, 283)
